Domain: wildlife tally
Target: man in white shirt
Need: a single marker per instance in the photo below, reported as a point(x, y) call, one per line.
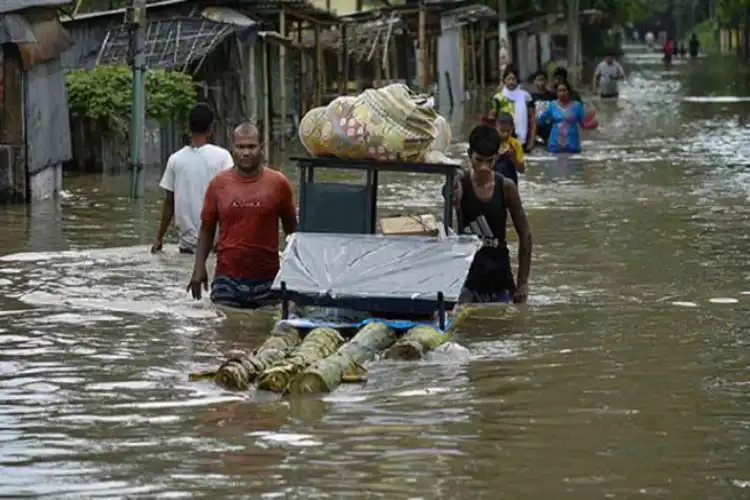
point(606, 76)
point(186, 178)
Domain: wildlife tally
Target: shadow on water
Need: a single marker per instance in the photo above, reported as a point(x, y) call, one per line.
point(625, 375)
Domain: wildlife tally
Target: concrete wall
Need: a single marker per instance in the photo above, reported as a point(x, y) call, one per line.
point(450, 62)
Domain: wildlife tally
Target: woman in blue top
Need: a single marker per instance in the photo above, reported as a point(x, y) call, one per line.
point(566, 117)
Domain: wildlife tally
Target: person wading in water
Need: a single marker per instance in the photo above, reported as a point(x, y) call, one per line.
point(186, 178)
point(606, 76)
point(482, 198)
point(246, 202)
point(510, 157)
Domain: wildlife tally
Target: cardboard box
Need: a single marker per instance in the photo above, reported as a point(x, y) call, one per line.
point(410, 225)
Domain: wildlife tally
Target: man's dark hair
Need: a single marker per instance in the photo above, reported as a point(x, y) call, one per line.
point(539, 72)
point(560, 72)
point(201, 118)
point(505, 119)
point(484, 140)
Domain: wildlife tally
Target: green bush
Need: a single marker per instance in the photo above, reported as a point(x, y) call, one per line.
point(104, 96)
point(706, 33)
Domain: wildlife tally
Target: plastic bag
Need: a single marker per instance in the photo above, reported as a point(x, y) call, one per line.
point(443, 135)
point(589, 118)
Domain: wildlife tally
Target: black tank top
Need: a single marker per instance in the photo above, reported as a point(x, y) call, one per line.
point(490, 271)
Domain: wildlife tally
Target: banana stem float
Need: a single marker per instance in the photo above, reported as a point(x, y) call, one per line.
point(417, 342)
point(348, 362)
point(318, 344)
point(239, 372)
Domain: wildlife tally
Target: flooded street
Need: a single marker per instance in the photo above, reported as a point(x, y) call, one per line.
point(626, 376)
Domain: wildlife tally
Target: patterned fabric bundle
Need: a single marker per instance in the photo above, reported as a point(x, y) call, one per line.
point(383, 124)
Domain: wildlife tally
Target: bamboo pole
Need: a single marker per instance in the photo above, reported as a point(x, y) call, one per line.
point(482, 55)
point(345, 52)
point(301, 73)
point(340, 61)
point(422, 46)
point(282, 77)
point(319, 68)
point(266, 104)
point(473, 58)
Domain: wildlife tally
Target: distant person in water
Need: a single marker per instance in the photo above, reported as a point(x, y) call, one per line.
point(650, 39)
point(246, 204)
point(560, 75)
point(606, 76)
point(483, 198)
point(516, 101)
point(668, 50)
point(566, 117)
point(694, 46)
point(541, 96)
point(510, 156)
point(186, 178)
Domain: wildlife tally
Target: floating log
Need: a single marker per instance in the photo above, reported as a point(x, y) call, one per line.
point(348, 362)
point(417, 342)
point(318, 344)
point(239, 371)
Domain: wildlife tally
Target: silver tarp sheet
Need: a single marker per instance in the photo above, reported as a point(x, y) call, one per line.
point(369, 266)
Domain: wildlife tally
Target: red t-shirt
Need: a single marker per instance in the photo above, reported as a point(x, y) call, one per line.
point(248, 211)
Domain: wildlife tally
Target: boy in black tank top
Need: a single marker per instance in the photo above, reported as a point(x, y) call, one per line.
point(482, 198)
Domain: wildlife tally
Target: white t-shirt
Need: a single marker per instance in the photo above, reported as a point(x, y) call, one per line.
point(608, 75)
point(188, 173)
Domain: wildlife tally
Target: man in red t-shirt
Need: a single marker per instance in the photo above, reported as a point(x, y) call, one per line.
point(246, 202)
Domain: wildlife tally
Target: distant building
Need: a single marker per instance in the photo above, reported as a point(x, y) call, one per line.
point(34, 120)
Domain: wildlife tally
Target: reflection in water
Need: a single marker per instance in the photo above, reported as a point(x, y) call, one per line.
point(625, 375)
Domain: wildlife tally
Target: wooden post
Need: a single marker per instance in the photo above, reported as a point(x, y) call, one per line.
point(316, 65)
point(574, 37)
point(378, 61)
point(482, 55)
point(394, 59)
point(340, 61)
point(266, 104)
point(422, 46)
point(432, 61)
point(301, 73)
point(386, 59)
point(345, 51)
point(252, 83)
point(282, 77)
point(473, 58)
point(503, 42)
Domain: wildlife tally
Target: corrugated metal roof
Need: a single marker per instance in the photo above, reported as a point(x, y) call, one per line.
point(7, 6)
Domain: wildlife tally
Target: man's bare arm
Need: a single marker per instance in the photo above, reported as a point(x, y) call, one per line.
point(290, 224)
point(205, 243)
point(521, 223)
point(167, 212)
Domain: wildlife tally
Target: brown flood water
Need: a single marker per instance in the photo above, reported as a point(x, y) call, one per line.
point(624, 377)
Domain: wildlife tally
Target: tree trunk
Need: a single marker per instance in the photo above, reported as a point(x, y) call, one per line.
point(318, 344)
point(416, 343)
point(239, 371)
point(325, 375)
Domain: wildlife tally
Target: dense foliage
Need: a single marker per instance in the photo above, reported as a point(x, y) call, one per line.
point(104, 96)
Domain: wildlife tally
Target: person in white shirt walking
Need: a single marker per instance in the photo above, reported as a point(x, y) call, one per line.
point(606, 76)
point(186, 178)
